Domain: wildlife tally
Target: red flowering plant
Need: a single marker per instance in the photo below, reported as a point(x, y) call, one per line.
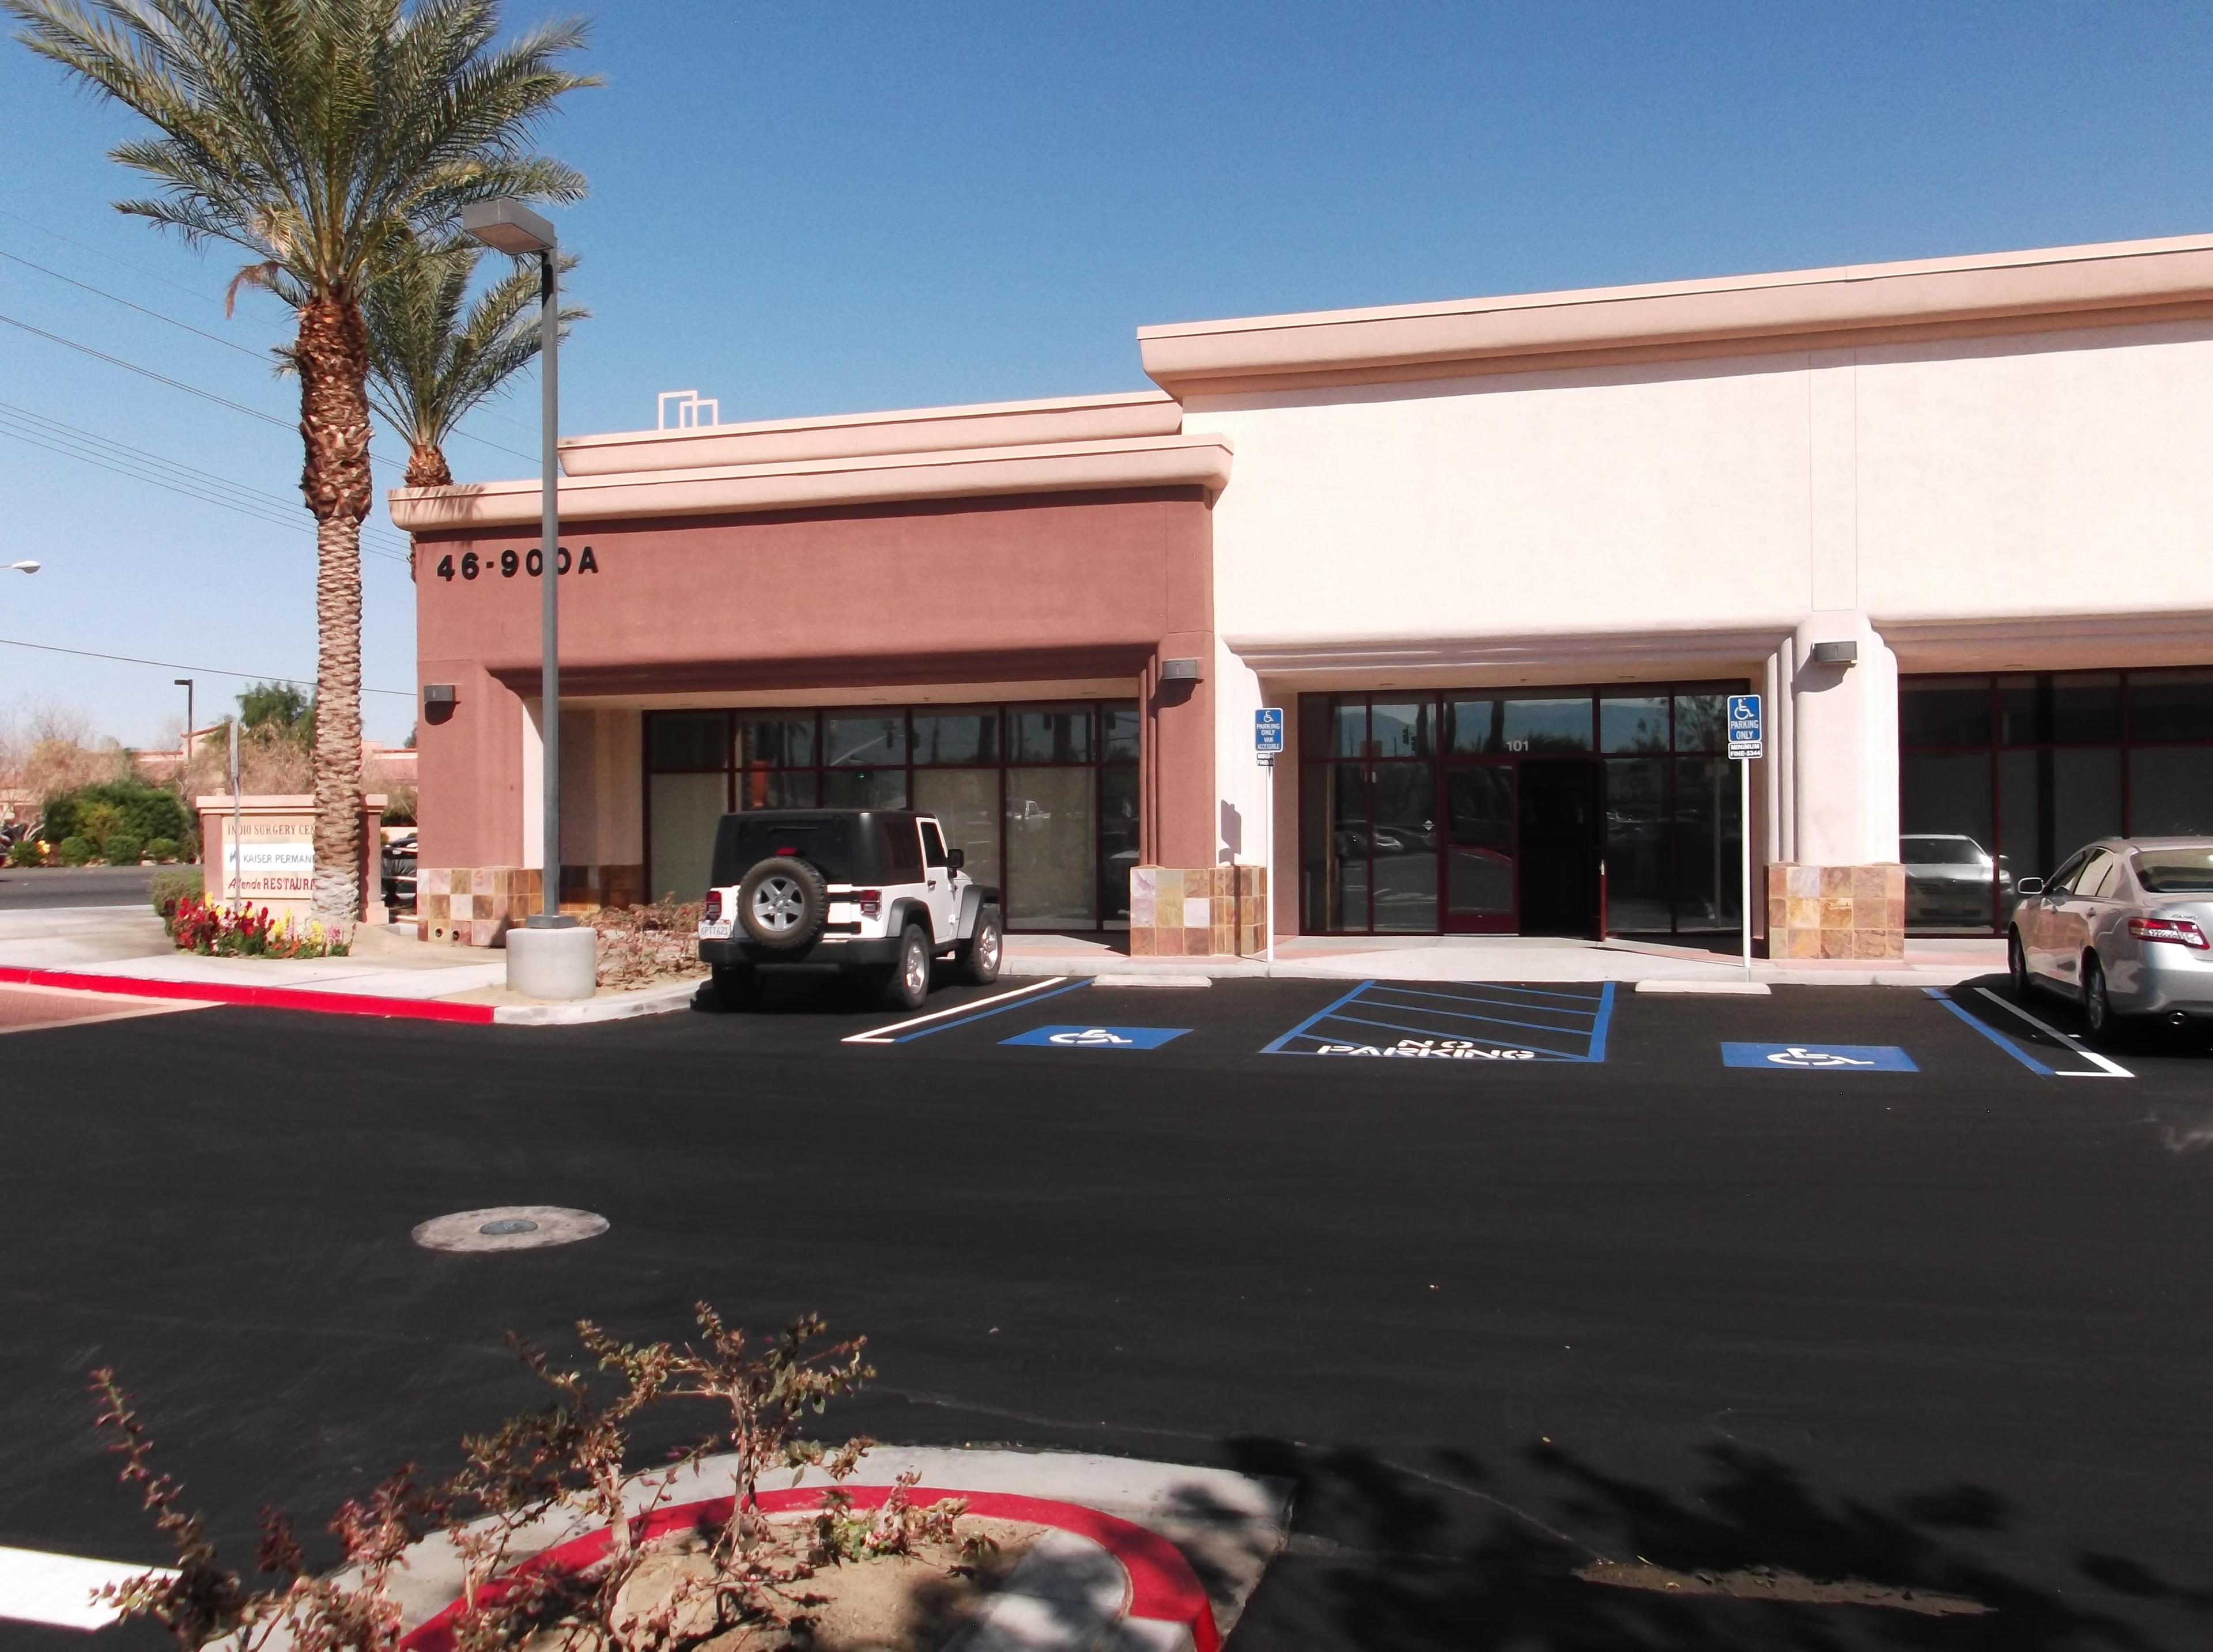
point(248, 932)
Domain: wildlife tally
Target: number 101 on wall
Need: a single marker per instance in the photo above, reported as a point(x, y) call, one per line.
point(507, 564)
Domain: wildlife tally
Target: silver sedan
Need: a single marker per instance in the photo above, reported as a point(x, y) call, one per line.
point(2124, 928)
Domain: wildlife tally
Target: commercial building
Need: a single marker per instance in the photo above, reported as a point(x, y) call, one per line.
point(1498, 559)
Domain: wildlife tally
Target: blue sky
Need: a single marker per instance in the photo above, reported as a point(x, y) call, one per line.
point(804, 209)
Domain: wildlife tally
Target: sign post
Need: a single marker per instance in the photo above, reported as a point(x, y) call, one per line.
point(1745, 741)
point(1267, 747)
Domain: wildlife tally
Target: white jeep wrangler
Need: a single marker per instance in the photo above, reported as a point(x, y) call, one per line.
point(869, 892)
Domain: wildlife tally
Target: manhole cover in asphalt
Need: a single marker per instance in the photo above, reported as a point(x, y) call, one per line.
point(508, 1228)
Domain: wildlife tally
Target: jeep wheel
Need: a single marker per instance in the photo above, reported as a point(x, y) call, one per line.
point(783, 903)
point(736, 986)
point(908, 984)
point(979, 953)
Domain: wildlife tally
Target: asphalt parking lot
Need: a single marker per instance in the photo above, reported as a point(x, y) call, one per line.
point(1841, 1283)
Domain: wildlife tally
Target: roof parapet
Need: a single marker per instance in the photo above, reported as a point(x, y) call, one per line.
point(2105, 284)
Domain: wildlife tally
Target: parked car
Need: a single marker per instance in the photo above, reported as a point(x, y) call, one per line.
point(874, 895)
point(2125, 928)
point(1949, 877)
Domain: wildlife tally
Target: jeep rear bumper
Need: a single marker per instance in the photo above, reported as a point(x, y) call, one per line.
point(829, 953)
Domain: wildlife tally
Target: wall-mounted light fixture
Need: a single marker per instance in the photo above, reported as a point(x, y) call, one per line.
point(1179, 671)
point(1835, 653)
point(438, 694)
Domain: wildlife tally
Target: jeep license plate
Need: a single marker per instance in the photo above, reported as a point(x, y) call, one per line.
point(717, 928)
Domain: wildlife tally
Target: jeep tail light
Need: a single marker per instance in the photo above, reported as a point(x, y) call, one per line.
point(2179, 930)
point(714, 906)
point(872, 903)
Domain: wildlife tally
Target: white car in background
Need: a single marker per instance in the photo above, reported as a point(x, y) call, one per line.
point(2124, 928)
point(1949, 879)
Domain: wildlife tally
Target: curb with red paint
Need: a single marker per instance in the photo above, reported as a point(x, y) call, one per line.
point(1162, 1587)
point(258, 997)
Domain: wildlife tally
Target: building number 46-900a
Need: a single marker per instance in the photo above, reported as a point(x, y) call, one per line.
point(509, 563)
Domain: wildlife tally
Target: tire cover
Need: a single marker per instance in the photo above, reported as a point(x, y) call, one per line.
point(793, 903)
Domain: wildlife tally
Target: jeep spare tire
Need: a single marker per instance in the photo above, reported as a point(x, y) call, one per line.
point(783, 903)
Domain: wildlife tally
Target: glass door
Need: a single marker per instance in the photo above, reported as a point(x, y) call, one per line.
point(1479, 848)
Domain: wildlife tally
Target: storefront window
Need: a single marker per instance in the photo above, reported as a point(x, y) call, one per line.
point(2005, 777)
point(1057, 831)
point(1490, 813)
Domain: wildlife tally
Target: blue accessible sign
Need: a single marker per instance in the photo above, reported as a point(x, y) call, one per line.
point(1098, 1038)
point(1268, 731)
point(1820, 1057)
point(1746, 736)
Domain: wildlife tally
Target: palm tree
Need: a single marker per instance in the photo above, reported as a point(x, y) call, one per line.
point(322, 137)
point(429, 362)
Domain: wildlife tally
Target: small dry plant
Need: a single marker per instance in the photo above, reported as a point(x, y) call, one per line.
point(656, 941)
point(564, 1463)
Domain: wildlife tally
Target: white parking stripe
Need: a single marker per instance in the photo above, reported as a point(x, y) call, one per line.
point(2112, 1069)
point(883, 1034)
point(57, 1589)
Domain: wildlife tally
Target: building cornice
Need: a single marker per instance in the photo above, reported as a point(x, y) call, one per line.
point(1199, 461)
point(846, 435)
point(2054, 287)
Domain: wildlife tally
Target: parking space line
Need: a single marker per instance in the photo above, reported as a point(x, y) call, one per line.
point(1595, 1017)
point(1991, 1032)
point(1276, 1048)
point(2109, 1069)
point(1468, 1015)
point(973, 1011)
point(1431, 1031)
point(58, 1589)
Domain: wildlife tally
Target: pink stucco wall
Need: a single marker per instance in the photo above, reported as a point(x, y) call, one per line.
point(994, 591)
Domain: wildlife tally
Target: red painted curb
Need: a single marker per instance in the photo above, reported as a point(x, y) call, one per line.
point(1162, 1586)
point(257, 998)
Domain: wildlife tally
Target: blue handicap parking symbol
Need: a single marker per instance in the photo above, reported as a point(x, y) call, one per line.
point(1098, 1038)
point(1820, 1057)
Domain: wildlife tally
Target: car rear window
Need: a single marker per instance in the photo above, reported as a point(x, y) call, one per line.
point(826, 841)
point(1940, 851)
point(2175, 871)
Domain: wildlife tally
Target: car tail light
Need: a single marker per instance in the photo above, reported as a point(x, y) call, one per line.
point(872, 902)
point(714, 906)
point(2179, 930)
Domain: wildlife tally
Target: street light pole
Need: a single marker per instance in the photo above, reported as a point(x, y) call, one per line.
point(185, 751)
point(512, 228)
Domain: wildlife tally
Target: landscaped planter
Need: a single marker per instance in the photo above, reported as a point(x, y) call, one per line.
point(1159, 1594)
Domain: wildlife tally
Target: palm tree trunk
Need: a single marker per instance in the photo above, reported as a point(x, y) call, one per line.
point(332, 353)
point(426, 466)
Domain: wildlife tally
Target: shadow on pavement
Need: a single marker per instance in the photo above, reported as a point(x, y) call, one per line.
point(1385, 1555)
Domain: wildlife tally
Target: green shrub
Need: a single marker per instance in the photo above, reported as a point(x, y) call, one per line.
point(122, 848)
point(25, 852)
point(73, 852)
point(172, 884)
point(160, 849)
point(96, 813)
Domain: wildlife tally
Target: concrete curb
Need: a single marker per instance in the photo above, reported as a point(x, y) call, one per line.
point(1258, 969)
point(646, 1001)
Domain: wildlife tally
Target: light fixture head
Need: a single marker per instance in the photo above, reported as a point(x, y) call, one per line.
point(508, 227)
point(27, 566)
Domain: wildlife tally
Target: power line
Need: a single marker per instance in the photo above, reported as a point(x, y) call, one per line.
point(173, 384)
point(481, 412)
point(113, 298)
point(171, 665)
point(188, 479)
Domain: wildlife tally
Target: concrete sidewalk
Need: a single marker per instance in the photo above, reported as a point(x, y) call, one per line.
point(1943, 962)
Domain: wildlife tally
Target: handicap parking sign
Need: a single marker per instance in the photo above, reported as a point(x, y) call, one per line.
point(1820, 1058)
point(1098, 1038)
point(1745, 726)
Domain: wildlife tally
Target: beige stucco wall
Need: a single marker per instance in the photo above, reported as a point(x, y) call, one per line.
point(1978, 496)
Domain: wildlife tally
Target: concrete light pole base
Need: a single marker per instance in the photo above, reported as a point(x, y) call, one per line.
point(555, 964)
